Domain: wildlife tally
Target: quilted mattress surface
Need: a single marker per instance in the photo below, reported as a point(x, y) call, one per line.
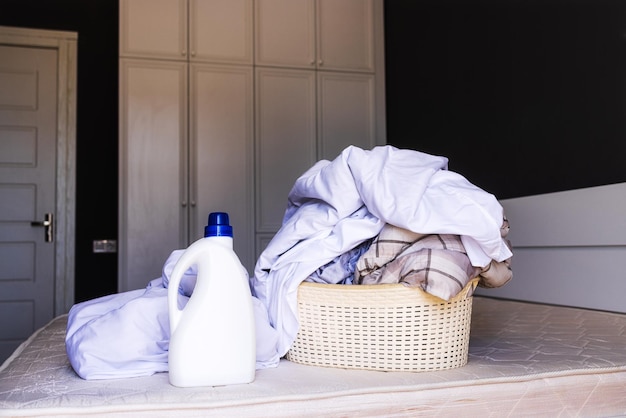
point(525, 360)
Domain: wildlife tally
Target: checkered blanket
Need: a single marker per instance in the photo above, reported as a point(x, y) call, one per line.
point(437, 263)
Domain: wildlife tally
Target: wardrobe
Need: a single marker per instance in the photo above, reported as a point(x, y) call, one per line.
point(224, 104)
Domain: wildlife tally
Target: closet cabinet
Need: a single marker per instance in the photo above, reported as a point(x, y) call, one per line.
point(225, 103)
point(319, 88)
point(198, 30)
point(320, 34)
point(186, 140)
point(301, 117)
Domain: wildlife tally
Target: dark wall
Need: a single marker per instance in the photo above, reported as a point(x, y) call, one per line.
point(524, 96)
point(96, 130)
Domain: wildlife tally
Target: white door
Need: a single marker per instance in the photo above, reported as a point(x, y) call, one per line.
point(28, 143)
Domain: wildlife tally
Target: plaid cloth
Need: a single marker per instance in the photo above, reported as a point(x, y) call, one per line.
point(436, 262)
point(497, 274)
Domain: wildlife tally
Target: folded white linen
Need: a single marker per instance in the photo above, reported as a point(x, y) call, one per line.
point(335, 206)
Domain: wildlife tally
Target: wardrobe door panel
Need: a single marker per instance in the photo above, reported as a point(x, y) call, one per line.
point(221, 31)
point(221, 154)
point(346, 112)
point(153, 29)
point(285, 33)
point(152, 167)
point(345, 35)
point(285, 147)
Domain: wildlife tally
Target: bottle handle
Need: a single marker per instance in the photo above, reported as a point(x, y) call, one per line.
point(186, 260)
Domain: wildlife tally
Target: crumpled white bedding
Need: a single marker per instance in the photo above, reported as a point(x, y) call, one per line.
point(338, 204)
point(525, 359)
point(127, 334)
point(332, 208)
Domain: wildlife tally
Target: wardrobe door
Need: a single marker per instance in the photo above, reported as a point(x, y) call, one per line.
point(153, 185)
point(285, 135)
point(345, 35)
point(285, 33)
point(346, 112)
point(153, 29)
point(322, 34)
point(221, 154)
point(221, 31)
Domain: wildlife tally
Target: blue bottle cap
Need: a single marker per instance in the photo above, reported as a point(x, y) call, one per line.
point(219, 225)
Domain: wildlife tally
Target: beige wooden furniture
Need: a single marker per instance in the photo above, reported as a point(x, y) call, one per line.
point(224, 103)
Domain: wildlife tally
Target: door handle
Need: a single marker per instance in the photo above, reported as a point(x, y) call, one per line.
point(48, 224)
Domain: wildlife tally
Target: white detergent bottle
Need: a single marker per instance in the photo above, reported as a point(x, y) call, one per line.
point(212, 340)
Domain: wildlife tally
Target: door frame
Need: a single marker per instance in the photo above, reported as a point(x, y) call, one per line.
point(65, 206)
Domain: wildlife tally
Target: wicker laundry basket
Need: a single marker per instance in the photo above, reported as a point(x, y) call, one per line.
point(387, 327)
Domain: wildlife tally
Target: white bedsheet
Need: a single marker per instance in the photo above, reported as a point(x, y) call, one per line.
point(525, 360)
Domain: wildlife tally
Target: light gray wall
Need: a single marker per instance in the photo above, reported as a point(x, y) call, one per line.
point(569, 248)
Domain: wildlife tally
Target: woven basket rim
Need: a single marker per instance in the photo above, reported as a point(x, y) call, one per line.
point(347, 290)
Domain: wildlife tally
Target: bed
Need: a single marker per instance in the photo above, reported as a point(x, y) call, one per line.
point(524, 359)
point(559, 351)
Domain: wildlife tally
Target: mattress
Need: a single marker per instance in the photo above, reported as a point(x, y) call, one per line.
point(524, 360)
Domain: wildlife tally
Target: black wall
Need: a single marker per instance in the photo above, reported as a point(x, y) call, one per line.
point(523, 96)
